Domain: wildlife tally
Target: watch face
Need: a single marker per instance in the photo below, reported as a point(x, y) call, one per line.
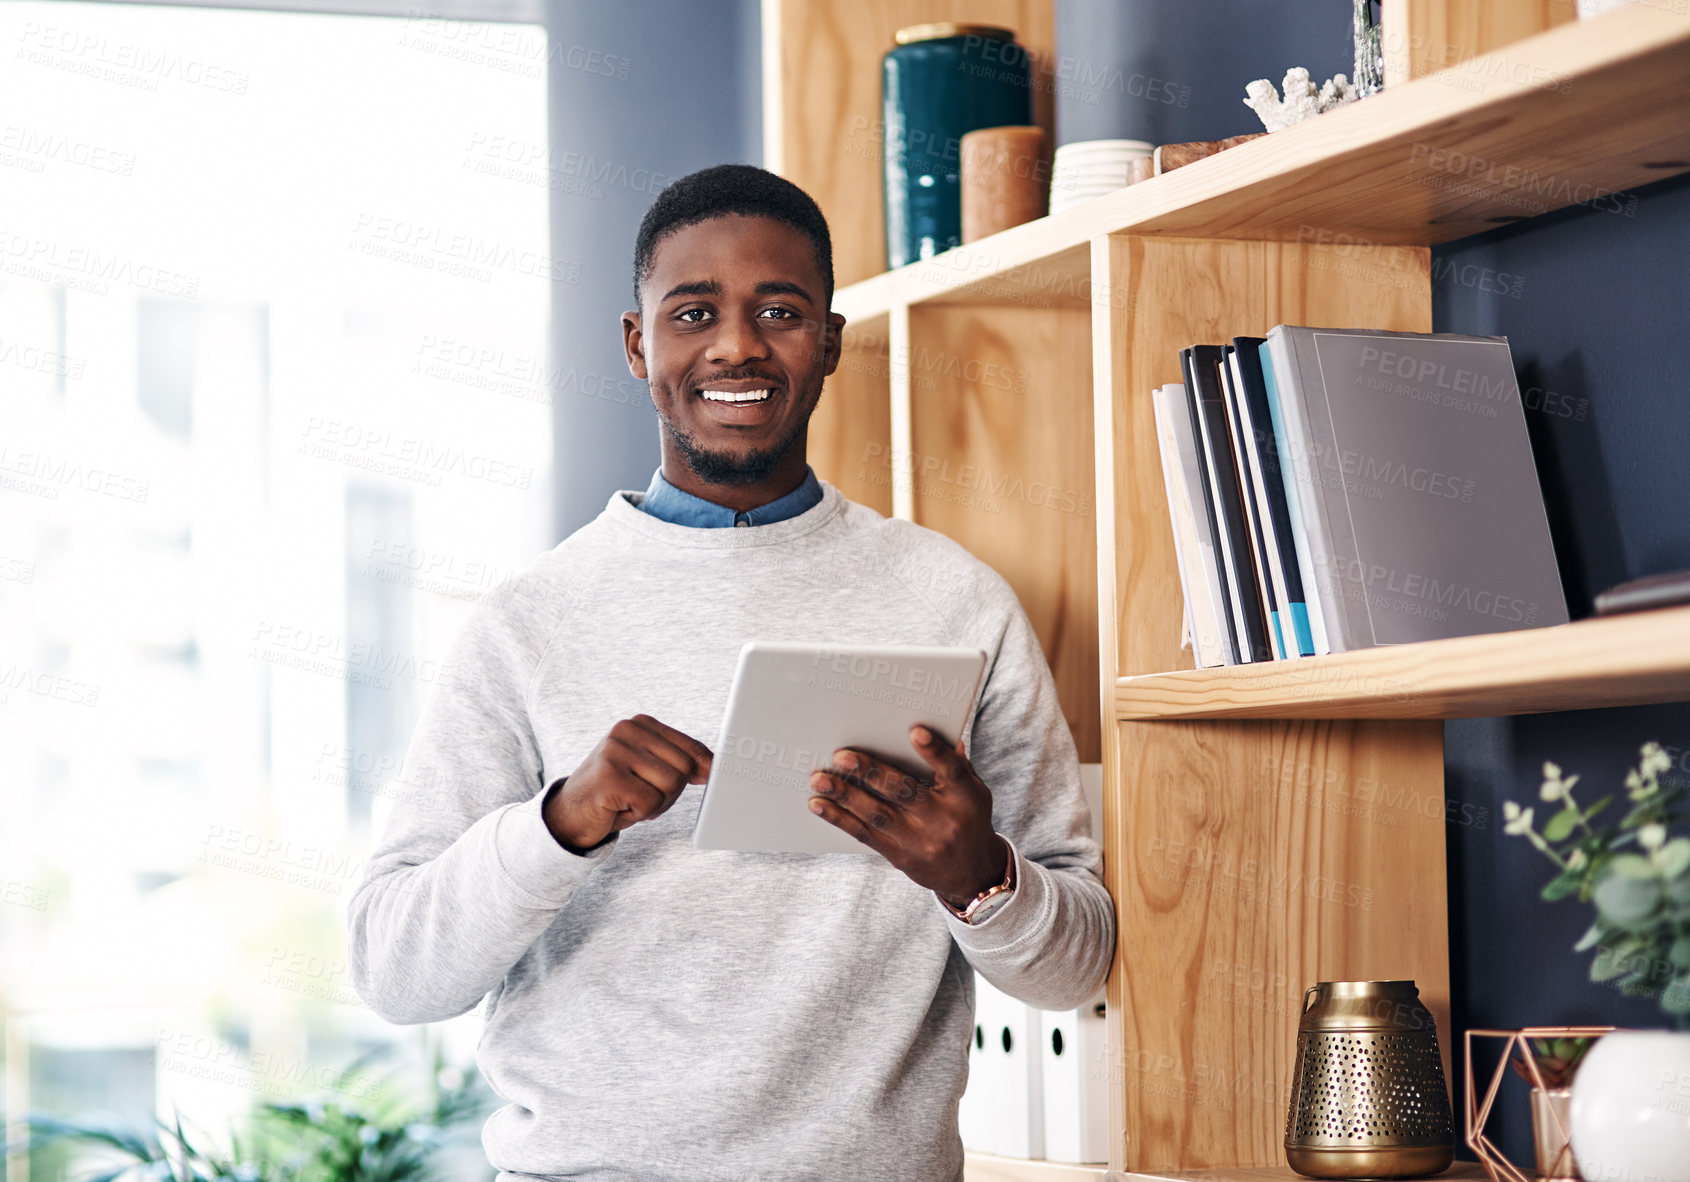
point(991, 905)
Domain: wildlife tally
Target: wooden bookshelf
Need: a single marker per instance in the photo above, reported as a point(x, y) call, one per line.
point(1619, 661)
point(1606, 113)
point(999, 393)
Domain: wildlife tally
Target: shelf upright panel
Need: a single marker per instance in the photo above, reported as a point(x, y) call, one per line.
point(822, 104)
point(1113, 422)
point(853, 420)
point(903, 492)
point(1424, 36)
point(1001, 460)
point(1247, 859)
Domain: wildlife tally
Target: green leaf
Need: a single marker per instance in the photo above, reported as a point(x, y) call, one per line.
point(1597, 807)
point(1640, 985)
point(1673, 858)
point(1626, 901)
point(1633, 866)
point(1675, 999)
point(1612, 960)
point(1561, 825)
point(1678, 890)
point(1589, 939)
point(1639, 815)
point(1562, 885)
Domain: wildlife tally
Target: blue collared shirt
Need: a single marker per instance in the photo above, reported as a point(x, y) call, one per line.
point(680, 507)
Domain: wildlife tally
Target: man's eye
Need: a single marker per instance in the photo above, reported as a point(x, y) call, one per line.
point(781, 313)
point(689, 312)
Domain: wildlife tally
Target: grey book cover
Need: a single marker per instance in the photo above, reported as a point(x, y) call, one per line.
point(1429, 506)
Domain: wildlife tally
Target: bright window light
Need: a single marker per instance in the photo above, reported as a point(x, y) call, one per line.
point(273, 414)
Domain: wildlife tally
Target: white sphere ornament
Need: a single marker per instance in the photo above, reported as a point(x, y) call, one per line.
point(1631, 1108)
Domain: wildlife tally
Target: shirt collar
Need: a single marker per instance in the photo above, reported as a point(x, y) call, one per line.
point(664, 500)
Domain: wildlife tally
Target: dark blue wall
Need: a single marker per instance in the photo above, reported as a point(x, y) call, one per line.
point(1601, 340)
point(662, 89)
point(1168, 71)
point(1598, 316)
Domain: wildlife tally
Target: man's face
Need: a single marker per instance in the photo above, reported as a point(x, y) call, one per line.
point(733, 305)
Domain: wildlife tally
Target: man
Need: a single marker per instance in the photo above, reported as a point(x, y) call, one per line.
point(660, 1012)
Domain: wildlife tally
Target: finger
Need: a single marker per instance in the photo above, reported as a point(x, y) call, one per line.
point(846, 821)
point(692, 757)
point(647, 769)
point(879, 777)
point(949, 765)
point(869, 810)
point(630, 800)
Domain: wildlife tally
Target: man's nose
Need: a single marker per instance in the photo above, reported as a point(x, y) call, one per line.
point(737, 341)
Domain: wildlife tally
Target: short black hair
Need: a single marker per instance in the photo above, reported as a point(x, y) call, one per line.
point(731, 189)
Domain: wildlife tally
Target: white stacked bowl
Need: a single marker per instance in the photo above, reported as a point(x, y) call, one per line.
point(1091, 168)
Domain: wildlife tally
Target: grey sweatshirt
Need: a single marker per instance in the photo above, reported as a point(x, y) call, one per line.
point(658, 1012)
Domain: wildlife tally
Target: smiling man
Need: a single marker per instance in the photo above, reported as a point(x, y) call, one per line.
point(659, 1012)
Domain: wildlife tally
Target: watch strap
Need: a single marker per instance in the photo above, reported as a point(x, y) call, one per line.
point(1007, 885)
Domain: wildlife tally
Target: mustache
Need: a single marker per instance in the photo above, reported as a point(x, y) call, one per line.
point(740, 375)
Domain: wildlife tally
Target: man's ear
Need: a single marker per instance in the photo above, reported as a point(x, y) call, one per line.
point(832, 342)
point(633, 344)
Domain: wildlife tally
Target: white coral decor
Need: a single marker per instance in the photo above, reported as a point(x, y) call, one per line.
point(1300, 98)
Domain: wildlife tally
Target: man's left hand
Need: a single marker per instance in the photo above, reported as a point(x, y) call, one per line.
point(938, 831)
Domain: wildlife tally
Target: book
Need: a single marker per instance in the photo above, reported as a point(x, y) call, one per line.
point(1199, 565)
point(1203, 508)
point(1208, 408)
point(1417, 484)
point(1288, 445)
point(1185, 545)
point(1645, 594)
point(1247, 481)
point(1272, 510)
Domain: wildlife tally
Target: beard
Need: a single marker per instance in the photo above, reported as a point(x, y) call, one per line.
point(714, 467)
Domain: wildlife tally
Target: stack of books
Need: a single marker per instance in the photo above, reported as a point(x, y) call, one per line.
point(1336, 489)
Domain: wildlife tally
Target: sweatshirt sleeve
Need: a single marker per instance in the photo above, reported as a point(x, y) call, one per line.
point(465, 875)
point(1052, 944)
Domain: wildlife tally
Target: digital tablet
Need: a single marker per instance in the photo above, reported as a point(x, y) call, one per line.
point(793, 705)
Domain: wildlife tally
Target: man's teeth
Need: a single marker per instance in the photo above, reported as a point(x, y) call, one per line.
point(729, 396)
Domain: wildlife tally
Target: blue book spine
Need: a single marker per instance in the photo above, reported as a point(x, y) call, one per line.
point(1299, 609)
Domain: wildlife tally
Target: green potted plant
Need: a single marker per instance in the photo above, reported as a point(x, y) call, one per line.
point(321, 1139)
point(1627, 1119)
point(1556, 1061)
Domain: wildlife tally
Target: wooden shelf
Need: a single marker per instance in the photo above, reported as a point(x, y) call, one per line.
point(986, 1167)
point(1617, 661)
point(1537, 125)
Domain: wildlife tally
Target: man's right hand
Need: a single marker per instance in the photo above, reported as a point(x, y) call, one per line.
point(635, 773)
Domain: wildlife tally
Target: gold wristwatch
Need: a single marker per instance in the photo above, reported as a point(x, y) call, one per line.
point(989, 900)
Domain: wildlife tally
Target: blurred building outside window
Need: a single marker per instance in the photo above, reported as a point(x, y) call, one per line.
point(273, 414)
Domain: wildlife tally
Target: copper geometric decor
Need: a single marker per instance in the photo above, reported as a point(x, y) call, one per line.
point(1496, 1165)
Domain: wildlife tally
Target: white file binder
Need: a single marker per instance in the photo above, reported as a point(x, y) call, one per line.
point(1010, 1076)
point(1075, 1069)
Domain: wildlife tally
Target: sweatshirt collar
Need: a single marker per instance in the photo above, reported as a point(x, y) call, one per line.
point(663, 499)
point(623, 512)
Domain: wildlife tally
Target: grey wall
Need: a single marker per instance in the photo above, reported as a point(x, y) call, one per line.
point(662, 88)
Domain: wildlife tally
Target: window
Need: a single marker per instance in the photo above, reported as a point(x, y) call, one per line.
point(272, 417)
